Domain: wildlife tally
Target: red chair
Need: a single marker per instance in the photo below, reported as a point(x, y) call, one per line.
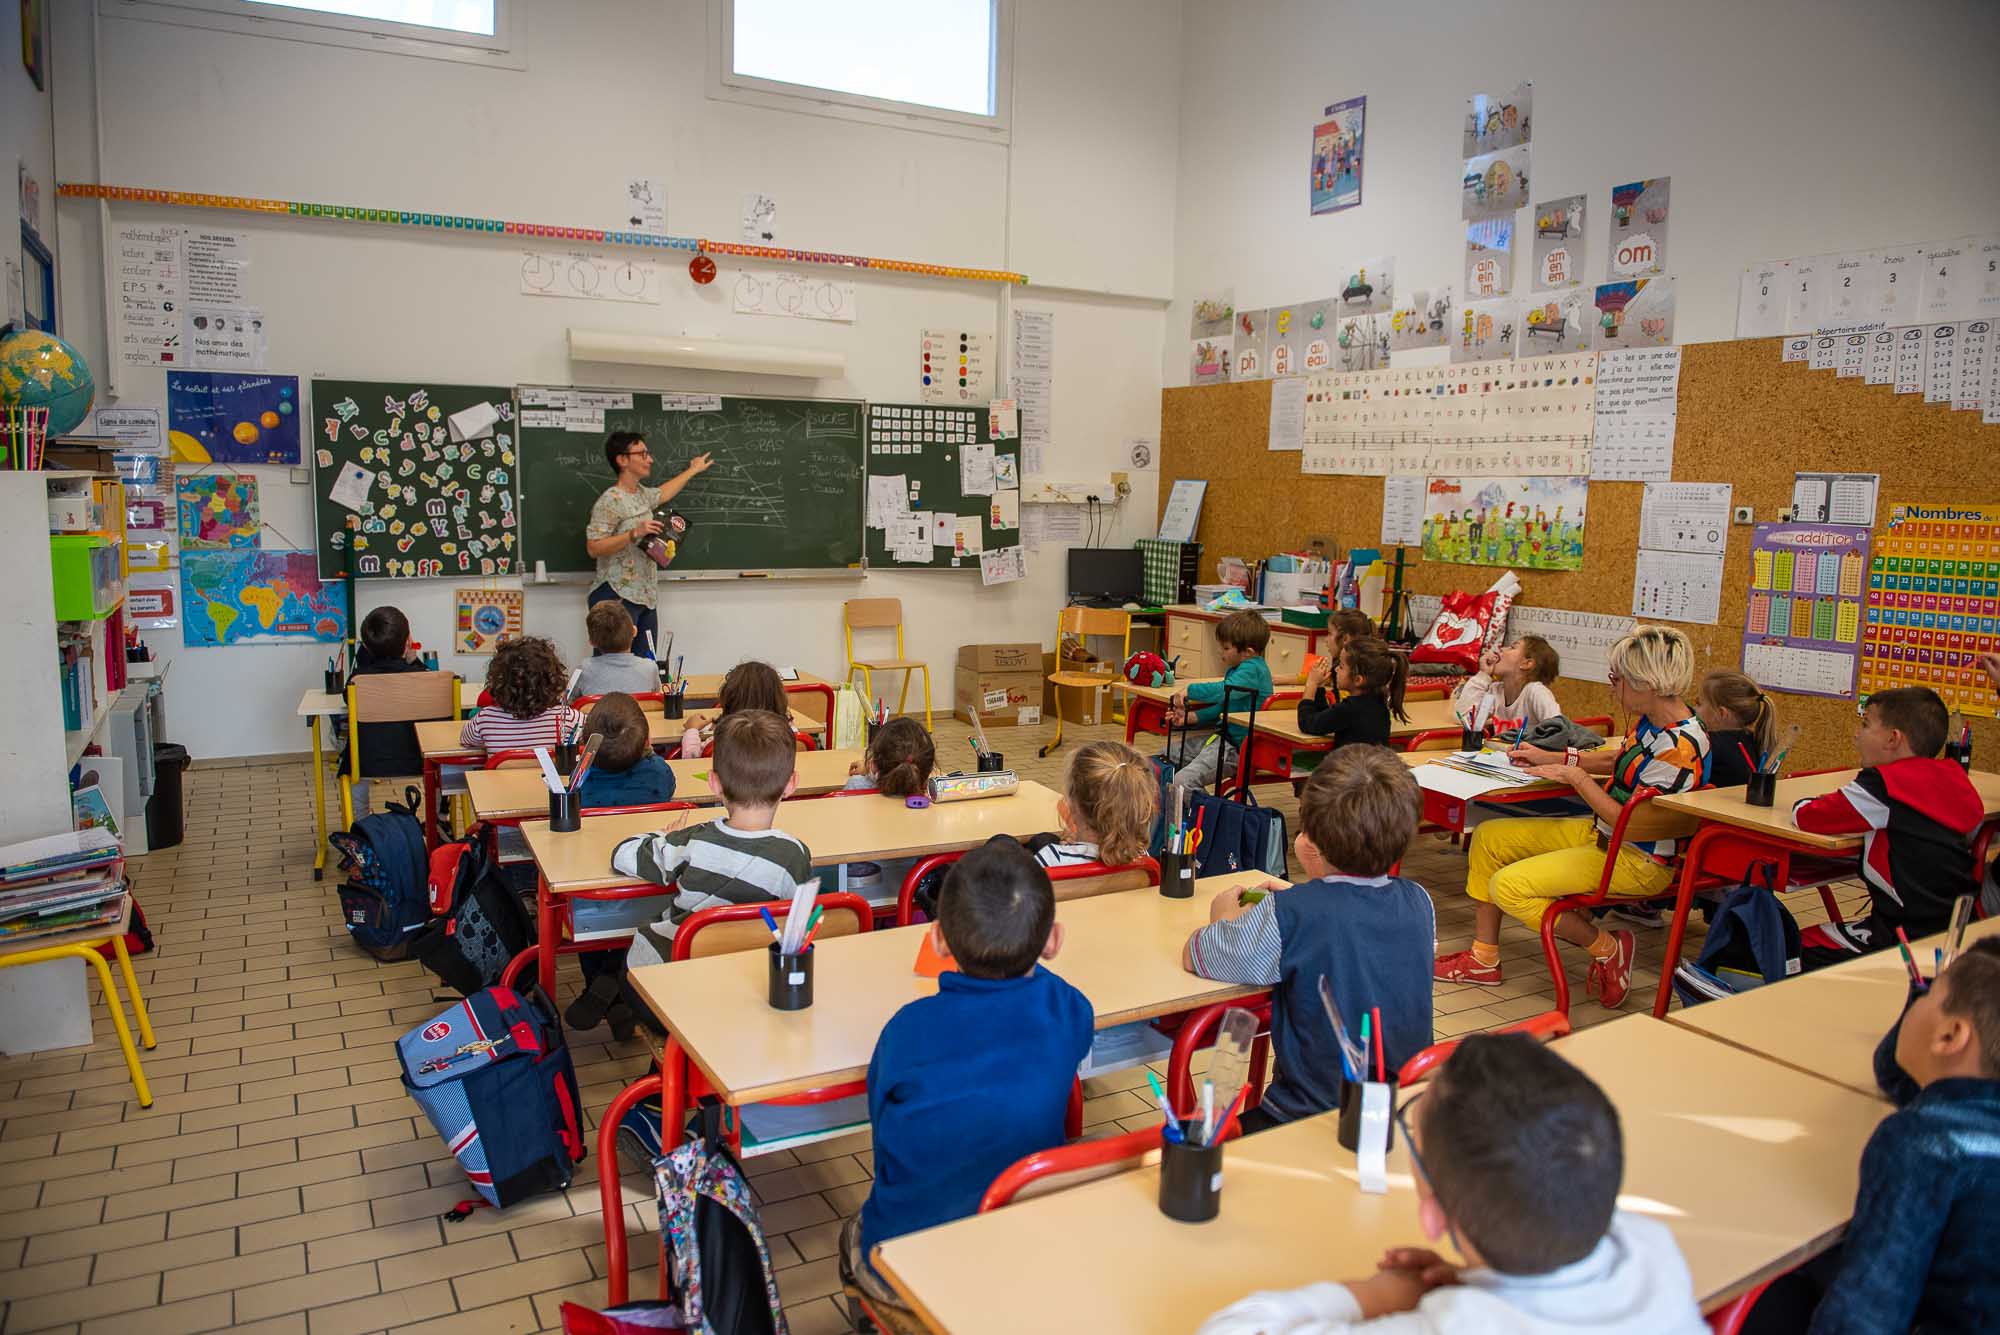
point(585, 701)
point(1080, 1162)
point(1078, 881)
point(1547, 1026)
point(1196, 1031)
point(1728, 1319)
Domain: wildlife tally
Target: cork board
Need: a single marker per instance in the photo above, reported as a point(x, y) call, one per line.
point(1746, 418)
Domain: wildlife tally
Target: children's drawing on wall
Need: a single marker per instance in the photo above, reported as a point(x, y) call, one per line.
point(1361, 343)
point(1284, 347)
point(1421, 319)
point(1559, 243)
point(1533, 523)
point(1489, 257)
point(1252, 332)
point(1556, 322)
point(1370, 287)
point(1637, 313)
point(1211, 316)
point(1486, 330)
point(1494, 183)
point(1494, 121)
point(1638, 228)
point(1315, 325)
point(1338, 141)
point(1211, 360)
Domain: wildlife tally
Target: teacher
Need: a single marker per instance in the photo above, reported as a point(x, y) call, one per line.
point(622, 519)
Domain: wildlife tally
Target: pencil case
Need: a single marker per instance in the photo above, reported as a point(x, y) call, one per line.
point(968, 787)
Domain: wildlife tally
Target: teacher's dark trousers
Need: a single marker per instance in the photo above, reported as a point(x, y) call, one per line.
point(645, 619)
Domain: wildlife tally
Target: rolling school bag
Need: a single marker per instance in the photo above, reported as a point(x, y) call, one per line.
point(493, 1075)
point(483, 925)
point(385, 900)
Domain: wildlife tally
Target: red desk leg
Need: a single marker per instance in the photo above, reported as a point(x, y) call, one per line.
point(433, 786)
point(545, 935)
point(1143, 715)
point(609, 1190)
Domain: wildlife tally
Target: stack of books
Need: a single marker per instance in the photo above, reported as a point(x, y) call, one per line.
point(64, 883)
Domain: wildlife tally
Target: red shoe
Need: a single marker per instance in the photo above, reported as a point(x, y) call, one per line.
point(1611, 979)
point(1464, 967)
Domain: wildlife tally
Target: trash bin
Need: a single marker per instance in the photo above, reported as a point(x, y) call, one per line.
point(166, 813)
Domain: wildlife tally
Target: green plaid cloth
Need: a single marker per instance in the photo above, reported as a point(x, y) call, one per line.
point(1170, 570)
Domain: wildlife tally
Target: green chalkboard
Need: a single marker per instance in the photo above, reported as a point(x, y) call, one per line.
point(926, 446)
point(784, 493)
point(433, 507)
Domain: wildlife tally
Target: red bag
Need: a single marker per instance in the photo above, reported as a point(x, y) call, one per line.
point(1459, 633)
point(138, 939)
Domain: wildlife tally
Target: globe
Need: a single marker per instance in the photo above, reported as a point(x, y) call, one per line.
point(39, 370)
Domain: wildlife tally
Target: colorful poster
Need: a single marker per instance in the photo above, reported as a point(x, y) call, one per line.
point(1422, 319)
point(1494, 183)
point(1338, 142)
point(223, 417)
point(248, 596)
point(1489, 257)
point(1252, 332)
point(1486, 330)
point(1934, 603)
point(1638, 228)
point(1495, 121)
point(1370, 287)
point(1532, 523)
point(486, 617)
point(1211, 359)
point(218, 510)
point(1555, 322)
point(1559, 243)
point(1803, 615)
point(1637, 313)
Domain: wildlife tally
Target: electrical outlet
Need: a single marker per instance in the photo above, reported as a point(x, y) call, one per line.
point(1744, 515)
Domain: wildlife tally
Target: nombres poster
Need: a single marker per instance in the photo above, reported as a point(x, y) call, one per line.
point(1934, 603)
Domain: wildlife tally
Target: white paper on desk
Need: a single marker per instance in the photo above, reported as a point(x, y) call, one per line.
point(474, 423)
point(1288, 414)
point(1402, 508)
point(975, 470)
point(350, 489)
point(1450, 781)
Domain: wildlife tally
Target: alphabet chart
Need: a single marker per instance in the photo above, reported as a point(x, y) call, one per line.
point(1934, 603)
point(1519, 419)
point(1808, 585)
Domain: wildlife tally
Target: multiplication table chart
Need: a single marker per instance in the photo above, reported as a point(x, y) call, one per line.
point(1803, 612)
point(1934, 603)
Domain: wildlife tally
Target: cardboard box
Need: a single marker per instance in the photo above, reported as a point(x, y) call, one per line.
point(1080, 704)
point(999, 683)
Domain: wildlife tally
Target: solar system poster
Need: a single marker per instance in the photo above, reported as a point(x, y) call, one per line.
point(225, 417)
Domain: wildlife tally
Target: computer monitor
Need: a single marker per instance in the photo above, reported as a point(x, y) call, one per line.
point(1107, 576)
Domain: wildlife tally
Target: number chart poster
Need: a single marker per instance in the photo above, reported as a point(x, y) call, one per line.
point(1535, 523)
point(1802, 627)
point(1339, 140)
point(1934, 603)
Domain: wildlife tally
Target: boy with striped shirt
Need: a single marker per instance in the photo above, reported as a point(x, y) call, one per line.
point(739, 859)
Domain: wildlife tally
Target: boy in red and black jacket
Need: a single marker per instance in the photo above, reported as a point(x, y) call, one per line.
point(1916, 814)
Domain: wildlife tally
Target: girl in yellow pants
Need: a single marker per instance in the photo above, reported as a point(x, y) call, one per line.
point(1519, 865)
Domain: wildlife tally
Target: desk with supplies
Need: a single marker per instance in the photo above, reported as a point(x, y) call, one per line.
point(518, 792)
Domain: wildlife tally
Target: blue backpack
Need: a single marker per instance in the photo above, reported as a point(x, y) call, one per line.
point(385, 900)
point(1752, 940)
point(495, 1078)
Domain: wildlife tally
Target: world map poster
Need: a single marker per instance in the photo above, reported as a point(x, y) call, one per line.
point(246, 596)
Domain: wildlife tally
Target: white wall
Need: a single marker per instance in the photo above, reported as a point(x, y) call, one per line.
point(616, 88)
point(1789, 127)
point(27, 137)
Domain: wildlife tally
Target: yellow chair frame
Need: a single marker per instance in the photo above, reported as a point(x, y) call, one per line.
point(84, 947)
point(406, 697)
point(881, 614)
point(1083, 622)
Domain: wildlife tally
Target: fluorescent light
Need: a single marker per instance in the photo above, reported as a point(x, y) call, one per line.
point(705, 354)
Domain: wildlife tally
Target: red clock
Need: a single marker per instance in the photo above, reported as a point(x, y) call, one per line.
point(702, 269)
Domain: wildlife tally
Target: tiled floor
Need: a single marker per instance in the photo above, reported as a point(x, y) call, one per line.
point(283, 1183)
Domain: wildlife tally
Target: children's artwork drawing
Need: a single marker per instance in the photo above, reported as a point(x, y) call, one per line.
point(1559, 243)
point(1252, 331)
point(1370, 287)
point(226, 417)
point(1211, 359)
point(217, 510)
point(1494, 183)
point(1210, 316)
point(1534, 523)
point(1338, 141)
point(1486, 330)
point(486, 617)
point(1489, 257)
point(1637, 313)
point(1638, 228)
point(1422, 319)
point(1555, 322)
point(1494, 121)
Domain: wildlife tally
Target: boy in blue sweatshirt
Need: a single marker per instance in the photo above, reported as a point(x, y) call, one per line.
point(1367, 932)
point(966, 1082)
point(1246, 678)
point(1918, 1254)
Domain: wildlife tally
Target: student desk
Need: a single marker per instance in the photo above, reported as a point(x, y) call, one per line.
point(518, 791)
point(1122, 950)
point(1278, 735)
point(702, 686)
point(1292, 1214)
point(1825, 1023)
point(1733, 834)
point(1146, 706)
point(836, 829)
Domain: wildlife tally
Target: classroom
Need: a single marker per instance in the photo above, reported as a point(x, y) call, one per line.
point(1135, 666)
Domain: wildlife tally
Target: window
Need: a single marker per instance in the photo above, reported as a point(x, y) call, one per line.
point(479, 31)
point(883, 60)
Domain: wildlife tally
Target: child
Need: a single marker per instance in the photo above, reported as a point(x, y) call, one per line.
point(1518, 1157)
point(1107, 809)
point(1916, 814)
point(386, 748)
point(526, 681)
point(1368, 931)
point(947, 1114)
point(898, 763)
point(1510, 692)
point(748, 685)
point(613, 666)
point(737, 860)
point(1918, 1252)
point(625, 771)
point(1739, 718)
point(1247, 679)
point(1371, 678)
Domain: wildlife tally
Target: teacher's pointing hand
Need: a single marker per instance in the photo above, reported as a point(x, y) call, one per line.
point(699, 464)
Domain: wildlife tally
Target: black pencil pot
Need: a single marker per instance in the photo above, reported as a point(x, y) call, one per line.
point(1960, 753)
point(1190, 1181)
point(334, 684)
point(670, 704)
point(565, 812)
point(992, 762)
point(791, 979)
point(874, 728)
point(565, 758)
point(1177, 875)
point(1762, 790)
point(1350, 1113)
point(1469, 739)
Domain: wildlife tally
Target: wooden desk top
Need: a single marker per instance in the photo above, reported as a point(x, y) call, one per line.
point(1121, 950)
point(1425, 716)
point(1727, 807)
point(1200, 613)
point(836, 829)
point(518, 790)
point(441, 737)
point(1825, 1023)
point(318, 702)
point(1292, 1214)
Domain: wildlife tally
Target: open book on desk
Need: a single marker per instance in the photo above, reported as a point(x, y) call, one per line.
point(1470, 774)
